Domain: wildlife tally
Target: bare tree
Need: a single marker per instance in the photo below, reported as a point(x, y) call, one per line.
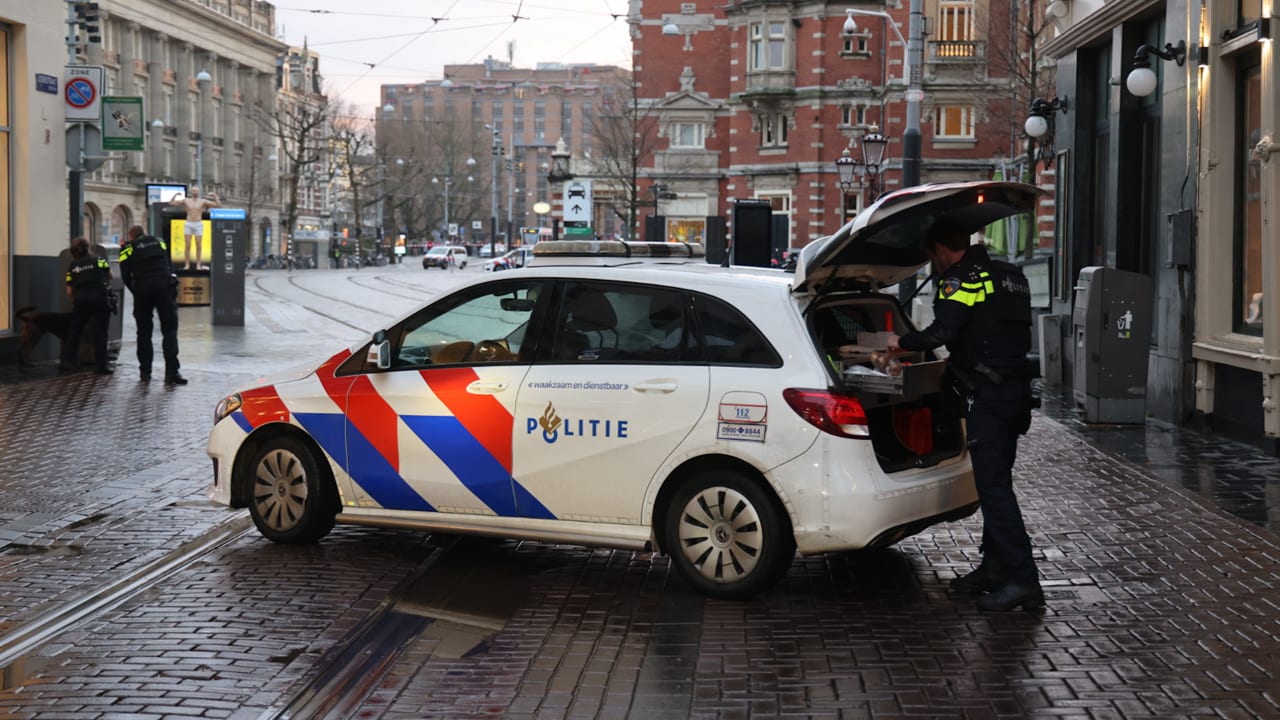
point(421, 159)
point(351, 145)
point(625, 137)
point(298, 123)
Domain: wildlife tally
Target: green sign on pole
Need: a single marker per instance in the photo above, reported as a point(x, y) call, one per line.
point(122, 123)
point(578, 232)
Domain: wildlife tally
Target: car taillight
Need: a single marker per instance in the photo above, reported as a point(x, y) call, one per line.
point(839, 415)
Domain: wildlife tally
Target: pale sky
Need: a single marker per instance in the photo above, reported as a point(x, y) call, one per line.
point(363, 45)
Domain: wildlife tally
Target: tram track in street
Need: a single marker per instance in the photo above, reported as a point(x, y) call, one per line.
point(421, 293)
point(332, 317)
point(20, 642)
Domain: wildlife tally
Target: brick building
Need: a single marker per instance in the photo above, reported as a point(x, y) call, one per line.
point(756, 99)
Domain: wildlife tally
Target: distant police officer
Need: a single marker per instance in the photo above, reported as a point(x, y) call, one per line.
point(87, 278)
point(982, 313)
point(148, 273)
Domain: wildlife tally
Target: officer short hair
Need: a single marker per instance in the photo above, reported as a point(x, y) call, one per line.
point(79, 248)
point(948, 235)
point(136, 231)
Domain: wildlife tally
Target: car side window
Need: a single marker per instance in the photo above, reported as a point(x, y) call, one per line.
point(729, 338)
point(485, 324)
point(622, 323)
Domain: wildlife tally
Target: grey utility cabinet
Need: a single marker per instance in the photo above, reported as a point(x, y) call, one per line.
point(1112, 329)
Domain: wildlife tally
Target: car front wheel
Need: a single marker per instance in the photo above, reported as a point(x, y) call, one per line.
point(290, 500)
point(727, 536)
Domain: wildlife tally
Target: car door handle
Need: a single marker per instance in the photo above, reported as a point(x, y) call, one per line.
point(658, 386)
point(480, 387)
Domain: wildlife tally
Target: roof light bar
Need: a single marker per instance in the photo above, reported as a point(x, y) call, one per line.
point(617, 249)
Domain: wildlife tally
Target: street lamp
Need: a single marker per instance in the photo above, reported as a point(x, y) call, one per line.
point(912, 65)
point(495, 154)
point(448, 182)
point(1142, 79)
point(847, 166)
point(203, 81)
point(1040, 127)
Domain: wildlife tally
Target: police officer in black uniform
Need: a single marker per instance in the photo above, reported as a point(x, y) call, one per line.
point(87, 278)
point(148, 273)
point(982, 313)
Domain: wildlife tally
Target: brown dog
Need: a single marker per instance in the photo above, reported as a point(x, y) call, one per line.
point(35, 325)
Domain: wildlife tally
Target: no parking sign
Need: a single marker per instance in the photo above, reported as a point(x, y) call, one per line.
point(82, 91)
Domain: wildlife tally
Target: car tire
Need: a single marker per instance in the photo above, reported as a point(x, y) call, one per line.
point(727, 535)
point(463, 265)
point(290, 500)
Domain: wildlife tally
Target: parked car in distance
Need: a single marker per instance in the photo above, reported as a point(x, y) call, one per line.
point(442, 256)
point(517, 258)
point(494, 250)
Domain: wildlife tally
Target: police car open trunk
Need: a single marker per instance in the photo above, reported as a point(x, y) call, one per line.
point(910, 413)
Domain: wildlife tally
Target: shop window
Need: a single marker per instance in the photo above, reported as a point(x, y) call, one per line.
point(1248, 312)
point(953, 122)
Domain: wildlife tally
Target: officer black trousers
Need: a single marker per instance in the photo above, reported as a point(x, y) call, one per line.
point(165, 305)
point(999, 414)
point(94, 310)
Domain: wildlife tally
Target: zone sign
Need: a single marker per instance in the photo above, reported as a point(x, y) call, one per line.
point(81, 89)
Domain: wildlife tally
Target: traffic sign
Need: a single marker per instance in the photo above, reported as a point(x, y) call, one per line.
point(81, 91)
point(122, 123)
point(577, 201)
point(91, 138)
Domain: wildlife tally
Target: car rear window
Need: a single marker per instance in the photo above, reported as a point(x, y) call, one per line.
point(729, 338)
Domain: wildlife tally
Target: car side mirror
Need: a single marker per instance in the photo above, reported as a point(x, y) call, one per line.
point(380, 351)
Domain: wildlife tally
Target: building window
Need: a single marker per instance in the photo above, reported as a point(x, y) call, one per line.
point(773, 130)
point(955, 20)
point(689, 135)
point(853, 115)
point(953, 122)
point(768, 46)
point(855, 45)
point(1248, 211)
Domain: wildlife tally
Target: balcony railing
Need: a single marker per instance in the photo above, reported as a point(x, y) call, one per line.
point(957, 52)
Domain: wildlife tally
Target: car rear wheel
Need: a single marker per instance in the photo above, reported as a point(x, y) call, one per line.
point(290, 500)
point(728, 536)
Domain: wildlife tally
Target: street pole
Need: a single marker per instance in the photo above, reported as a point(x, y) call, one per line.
point(911, 140)
point(493, 202)
point(75, 178)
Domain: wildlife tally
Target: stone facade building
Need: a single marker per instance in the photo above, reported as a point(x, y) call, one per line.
point(757, 99)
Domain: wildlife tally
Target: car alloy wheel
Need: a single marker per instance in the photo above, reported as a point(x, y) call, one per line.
point(289, 501)
point(727, 537)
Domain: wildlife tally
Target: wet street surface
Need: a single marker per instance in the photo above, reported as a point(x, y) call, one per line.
point(125, 594)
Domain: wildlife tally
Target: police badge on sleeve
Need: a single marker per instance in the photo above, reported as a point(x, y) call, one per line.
point(949, 286)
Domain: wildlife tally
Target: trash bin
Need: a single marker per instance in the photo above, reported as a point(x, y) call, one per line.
point(1111, 321)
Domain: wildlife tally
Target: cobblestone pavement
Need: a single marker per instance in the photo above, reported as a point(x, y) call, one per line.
point(1162, 603)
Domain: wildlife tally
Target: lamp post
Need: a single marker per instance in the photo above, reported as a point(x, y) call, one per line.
point(558, 174)
point(495, 154)
point(868, 167)
point(448, 182)
point(203, 81)
point(912, 66)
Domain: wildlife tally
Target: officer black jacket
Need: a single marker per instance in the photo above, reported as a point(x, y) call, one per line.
point(982, 313)
point(145, 266)
point(88, 278)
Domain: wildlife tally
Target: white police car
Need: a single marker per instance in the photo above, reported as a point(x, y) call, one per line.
point(630, 395)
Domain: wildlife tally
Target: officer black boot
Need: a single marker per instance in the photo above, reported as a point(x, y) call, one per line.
point(988, 576)
point(1013, 594)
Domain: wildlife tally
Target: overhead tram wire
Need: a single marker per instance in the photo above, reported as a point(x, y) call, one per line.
point(397, 51)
